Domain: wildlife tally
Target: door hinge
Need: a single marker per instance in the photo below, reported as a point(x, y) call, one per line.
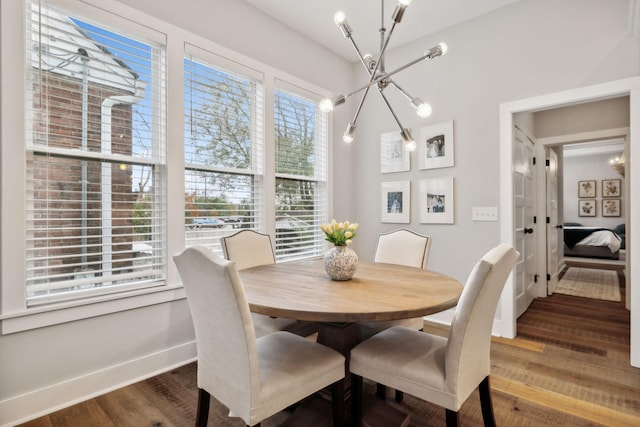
point(548, 277)
point(534, 160)
point(547, 162)
point(535, 278)
point(548, 220)
point(535, 219)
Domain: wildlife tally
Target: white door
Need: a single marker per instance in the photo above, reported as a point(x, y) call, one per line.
point(525, 208)
point(552, 221)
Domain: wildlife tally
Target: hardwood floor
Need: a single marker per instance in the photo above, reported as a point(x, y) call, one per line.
point(568, 366)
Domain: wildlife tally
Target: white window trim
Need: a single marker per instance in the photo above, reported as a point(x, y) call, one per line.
point(14, 314)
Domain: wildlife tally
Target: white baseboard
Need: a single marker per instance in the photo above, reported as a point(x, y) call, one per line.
point(34, 404)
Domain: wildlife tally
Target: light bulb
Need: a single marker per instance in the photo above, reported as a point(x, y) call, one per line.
point(438, 50)
point(339, 18)
point(423, 109)
point(409, 142)
point(326, 105)
point(348, 135)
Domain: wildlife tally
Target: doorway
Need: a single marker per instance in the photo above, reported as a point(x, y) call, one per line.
point(506, 323)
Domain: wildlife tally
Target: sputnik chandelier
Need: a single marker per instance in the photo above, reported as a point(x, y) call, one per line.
point(379, 77)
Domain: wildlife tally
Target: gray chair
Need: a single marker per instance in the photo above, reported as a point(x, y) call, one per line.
point(248, 248)
point(437, 369)
point(401, 247)
point(253, 377)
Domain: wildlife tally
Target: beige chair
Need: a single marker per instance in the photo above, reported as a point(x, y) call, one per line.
point(254, 377)
point(248, 248)
point(441, 370)
point(402, 247)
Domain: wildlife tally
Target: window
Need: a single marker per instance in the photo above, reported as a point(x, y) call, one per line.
point(95, 155)
point(301, 174)
point(93, 205)
point(223, 149)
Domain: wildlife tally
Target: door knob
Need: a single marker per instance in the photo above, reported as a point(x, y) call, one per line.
point(559, 226)
point(528, 230)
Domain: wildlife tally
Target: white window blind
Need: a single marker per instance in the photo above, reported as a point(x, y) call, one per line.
point(224, 122)
point(301, 174)
point(95, 145)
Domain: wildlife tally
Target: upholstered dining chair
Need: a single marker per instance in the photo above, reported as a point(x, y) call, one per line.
point(248, 248)
point(253, 377)
point(438, 369)
point(402, 247)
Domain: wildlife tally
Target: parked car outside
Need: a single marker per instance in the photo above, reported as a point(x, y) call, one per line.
point(202, 222)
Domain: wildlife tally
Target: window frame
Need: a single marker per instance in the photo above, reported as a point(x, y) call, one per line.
point(256, 169)
point(109, 278)
point(320, 177)
point(15, 316)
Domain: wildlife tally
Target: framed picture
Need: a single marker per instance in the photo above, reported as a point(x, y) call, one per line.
point(610, 207)
point(610, 188)
point(395, 201)
point(435, 147)
point(394, 157)
point(586, 208)
point(436, 201)
point(587, 189)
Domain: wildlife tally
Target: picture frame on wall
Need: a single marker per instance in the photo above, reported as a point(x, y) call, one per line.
point(435, 147)
point(586, 208)
point(611, 188)
point(394, 157)
point(436, 201)
point(395, 202)
point(611, 207)
point(587, 189)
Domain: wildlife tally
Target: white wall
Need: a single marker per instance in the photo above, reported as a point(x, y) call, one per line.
point(589, 168)
point(529, 48)
point(532, 47)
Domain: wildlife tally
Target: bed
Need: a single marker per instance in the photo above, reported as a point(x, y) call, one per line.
point(591, 242)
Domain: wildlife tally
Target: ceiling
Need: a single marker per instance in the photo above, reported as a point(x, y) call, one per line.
point(314, 19)
point(613, 147)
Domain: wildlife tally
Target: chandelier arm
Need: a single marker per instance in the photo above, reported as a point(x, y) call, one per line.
point(401, 90)
point(382, 50)
point(364, 96)
point(393, 113)
point(360, 56)
point(430, 54)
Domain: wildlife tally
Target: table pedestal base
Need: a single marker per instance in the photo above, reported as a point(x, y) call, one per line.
point(316, 412)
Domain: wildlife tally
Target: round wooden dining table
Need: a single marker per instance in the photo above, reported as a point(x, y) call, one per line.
point(302, 290)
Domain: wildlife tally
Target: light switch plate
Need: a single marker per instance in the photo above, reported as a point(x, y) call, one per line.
point(484, 213)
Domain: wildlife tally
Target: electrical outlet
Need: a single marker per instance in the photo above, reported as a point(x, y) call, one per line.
point(484, 214)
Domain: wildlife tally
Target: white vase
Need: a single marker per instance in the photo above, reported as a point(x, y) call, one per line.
point(340, 262)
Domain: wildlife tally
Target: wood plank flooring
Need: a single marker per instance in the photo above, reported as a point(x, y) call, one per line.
point(569, 366)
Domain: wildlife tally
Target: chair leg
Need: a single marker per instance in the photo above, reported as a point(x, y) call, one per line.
point(452, 418)
point(202, 416)
point(356, 400)
point(381, 391)
point(337, 403)
point(486, 404)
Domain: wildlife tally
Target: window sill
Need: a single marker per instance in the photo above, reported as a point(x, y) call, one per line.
point(39, 317)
